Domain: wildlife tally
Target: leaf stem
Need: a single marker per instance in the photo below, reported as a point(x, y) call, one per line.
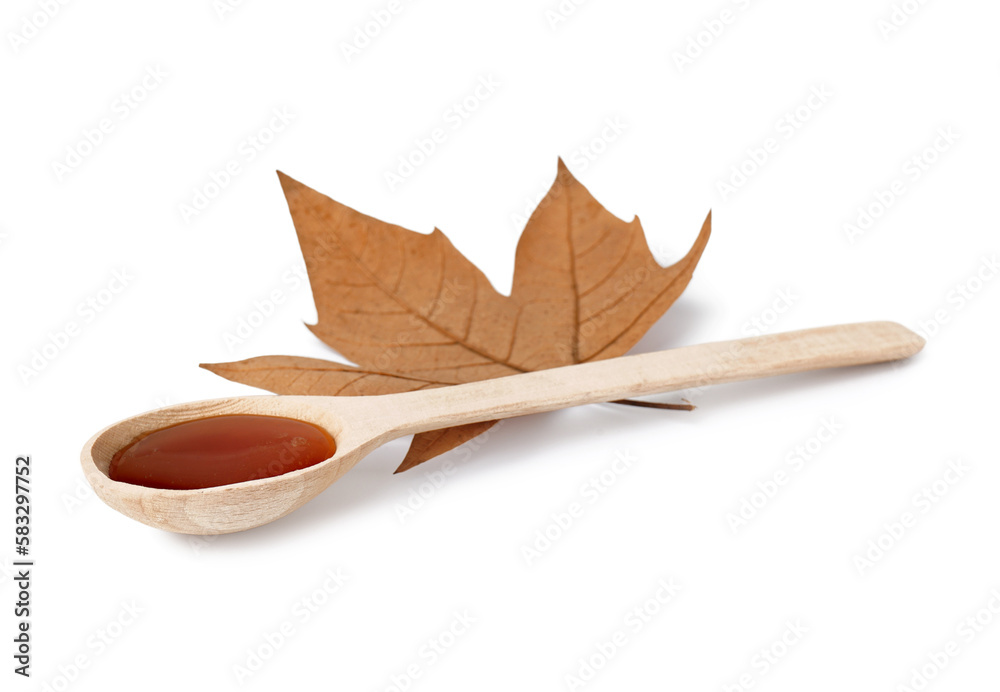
point(655, 404)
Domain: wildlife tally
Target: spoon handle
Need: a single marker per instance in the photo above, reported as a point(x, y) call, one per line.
point(649, 373)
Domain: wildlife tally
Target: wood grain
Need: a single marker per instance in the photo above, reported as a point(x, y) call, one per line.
point(360, 424)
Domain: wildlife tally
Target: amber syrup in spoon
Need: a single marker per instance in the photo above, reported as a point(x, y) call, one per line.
point(220, 450)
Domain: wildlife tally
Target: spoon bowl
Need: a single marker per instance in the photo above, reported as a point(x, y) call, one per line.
point(361, 424)
point(237, 506)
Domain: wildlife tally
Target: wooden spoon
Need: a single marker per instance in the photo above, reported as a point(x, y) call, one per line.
point(360, 424)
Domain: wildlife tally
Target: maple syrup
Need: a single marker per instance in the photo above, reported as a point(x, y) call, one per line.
point(220, 450)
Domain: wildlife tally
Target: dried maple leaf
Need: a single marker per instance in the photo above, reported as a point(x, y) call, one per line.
point(412, 312)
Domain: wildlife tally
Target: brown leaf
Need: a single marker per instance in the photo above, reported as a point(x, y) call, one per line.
point(431, 444)
point(312, 376)
point(397, 301)
point(413, 312)
point(592, 283)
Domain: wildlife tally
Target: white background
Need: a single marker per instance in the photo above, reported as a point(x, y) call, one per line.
point(684, 126)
